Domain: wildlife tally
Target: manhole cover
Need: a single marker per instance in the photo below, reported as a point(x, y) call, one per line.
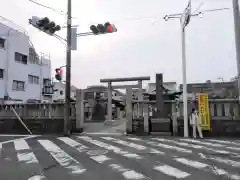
point(97, 152)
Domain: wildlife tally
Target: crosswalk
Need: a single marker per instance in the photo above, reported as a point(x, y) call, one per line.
point(118, 157)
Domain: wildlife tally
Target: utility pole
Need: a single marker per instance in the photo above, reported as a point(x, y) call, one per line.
point(237, 40)
point(185, 18)
point(184, 21)
point(68, 71)
point(184, 79)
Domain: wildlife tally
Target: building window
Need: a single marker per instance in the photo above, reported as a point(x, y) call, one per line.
point(21, 58)
point(33, 57)
point(33, 79)
point(18, 85)
point(61, 92)
point(2, 43)
point(1, 73)
point(47, 82)
point(47, 90)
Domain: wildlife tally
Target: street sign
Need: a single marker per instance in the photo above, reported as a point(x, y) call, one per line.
point(73, 38)
point(203, 109)
point(186, 15)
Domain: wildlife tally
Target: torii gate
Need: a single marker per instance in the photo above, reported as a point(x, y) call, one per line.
point(110, 87)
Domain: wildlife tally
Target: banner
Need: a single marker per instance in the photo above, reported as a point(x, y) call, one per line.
point(203, 109)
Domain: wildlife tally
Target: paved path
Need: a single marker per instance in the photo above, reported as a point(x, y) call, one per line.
point(117, 157)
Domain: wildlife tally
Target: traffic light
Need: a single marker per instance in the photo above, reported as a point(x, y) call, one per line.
point(45, 25)
point(103, 29)
point(58, 74)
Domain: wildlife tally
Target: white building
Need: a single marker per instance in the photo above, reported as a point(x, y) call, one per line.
point(59, 94)
point(22, 72)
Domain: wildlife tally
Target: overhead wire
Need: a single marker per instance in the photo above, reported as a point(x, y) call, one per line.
point(198, 8)
point(154, 18)
point(60, 12)
point(212, 10)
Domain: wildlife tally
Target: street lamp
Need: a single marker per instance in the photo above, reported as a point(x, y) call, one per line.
point(184, 21)
point(237, 40)
point(185, 18)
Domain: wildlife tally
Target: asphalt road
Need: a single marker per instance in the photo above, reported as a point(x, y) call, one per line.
point(118, 157)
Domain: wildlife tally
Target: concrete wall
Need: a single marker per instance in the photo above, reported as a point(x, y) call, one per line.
point(48, 118)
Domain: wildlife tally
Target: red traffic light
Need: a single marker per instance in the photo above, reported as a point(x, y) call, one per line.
point(102, 29)
point(59, 70)
point(109, 28)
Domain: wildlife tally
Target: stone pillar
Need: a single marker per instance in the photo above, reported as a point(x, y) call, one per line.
point(174, 118)
point(140, 98)
point(159, 96)
point(146, 116)
point(79, 110)
point(109, 105)
point(129, 110)
point(118, 113)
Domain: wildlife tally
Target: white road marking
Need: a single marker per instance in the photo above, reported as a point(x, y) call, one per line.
point(27, 157)
point(115, 149)
point(21, 145)
point(224, 141)
point(196, 146)
point(169, 147)
point(203, 143)
point(191, 163)
point(25, 138)
point(62, 157)
point(212, 144)
point(128, 174)
point(135, 139)
point(80, 147)
point(36, 177)
point(221, 160)
point(171, 171)
point(133, 145)
point(217, 159)
point(218, 171)
point(100, 158)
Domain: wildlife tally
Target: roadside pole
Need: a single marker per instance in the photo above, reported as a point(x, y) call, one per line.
point(68, 71)
point(237, 40)
point(184, 77)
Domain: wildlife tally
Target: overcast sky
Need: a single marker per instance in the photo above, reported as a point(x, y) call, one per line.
point(142, 46)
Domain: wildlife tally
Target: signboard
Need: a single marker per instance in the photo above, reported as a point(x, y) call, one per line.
point(203, 109)
point(186, 15)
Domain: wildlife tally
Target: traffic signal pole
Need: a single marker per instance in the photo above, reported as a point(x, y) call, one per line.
point(68, 71)
point(43, 25)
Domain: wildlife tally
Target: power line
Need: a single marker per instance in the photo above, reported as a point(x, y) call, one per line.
point(197, 9)
point(212, 10)
point(48, 7)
